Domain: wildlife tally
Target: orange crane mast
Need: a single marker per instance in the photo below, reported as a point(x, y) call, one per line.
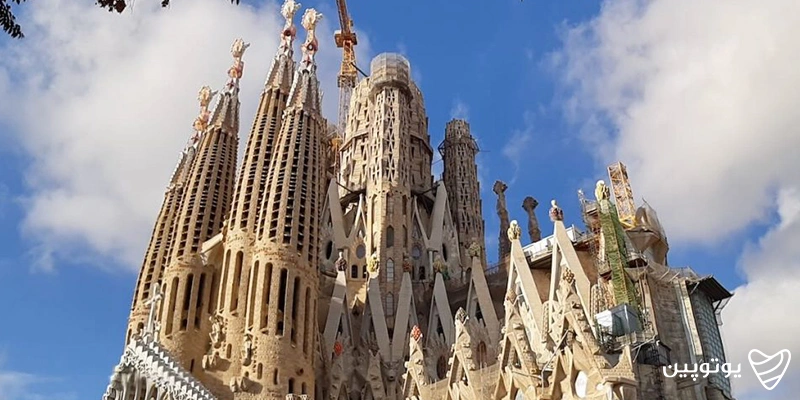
point(345, 39)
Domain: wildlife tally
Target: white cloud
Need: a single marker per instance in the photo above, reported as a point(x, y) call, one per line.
point(698, 99)
point(103, 103)
point(460, 110)
point(518, 145)
point(15, 385)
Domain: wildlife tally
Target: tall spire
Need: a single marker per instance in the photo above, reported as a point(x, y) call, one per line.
point(207, 195)
point(157, 255)
point(250, 185)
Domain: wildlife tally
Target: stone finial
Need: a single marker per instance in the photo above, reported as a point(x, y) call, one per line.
point(338, 349)
point(237, 69)
point(201, 122)
point(568, 276)
point(416, 333)
point(514, 231)
point(407, 267)
point(310, 20)
point(289, 9)
point(511, 295)
point(529, 205)
point(441, 267)
point(499, 187)
point(556, 213)
point(601, 191)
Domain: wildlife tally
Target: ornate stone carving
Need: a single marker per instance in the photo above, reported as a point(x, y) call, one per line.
point(239, 384)
point(247, 348)
point(217, 334)
point(529, 205)
point(416, 333)
point(504, 246)
point(514, 231)
point(568, 276)
point(373, 264)
point(407, 266)
point(237, 69)
point(556, 213)
point(475, 249)
point(210, 361)
point(310, 20)
point(441, 267)
point(289, 9)
point(153, 326)
point(341, 263)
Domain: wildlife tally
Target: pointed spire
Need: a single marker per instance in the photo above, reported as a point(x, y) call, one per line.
point(305, 92)
point(226, 114)
point(236, 70)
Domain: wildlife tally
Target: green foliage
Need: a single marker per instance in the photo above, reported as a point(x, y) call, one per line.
point(11, 27)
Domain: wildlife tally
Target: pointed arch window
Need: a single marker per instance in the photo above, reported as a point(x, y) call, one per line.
point(390, 270)
point(390, 304)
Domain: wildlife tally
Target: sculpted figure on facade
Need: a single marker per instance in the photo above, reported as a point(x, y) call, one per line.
point(474, 249)
point(514, 231)
point(217, 334)
point(441, 267)
point(373, 264)
point(247, 348)
point(556, 213)
point(601, 191)
point(341, 263)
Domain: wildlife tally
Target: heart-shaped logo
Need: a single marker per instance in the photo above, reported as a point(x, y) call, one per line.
point(769, 369)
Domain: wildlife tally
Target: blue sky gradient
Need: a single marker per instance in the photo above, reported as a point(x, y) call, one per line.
point(512, 68)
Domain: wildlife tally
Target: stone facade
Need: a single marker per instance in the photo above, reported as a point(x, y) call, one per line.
point(339, 268)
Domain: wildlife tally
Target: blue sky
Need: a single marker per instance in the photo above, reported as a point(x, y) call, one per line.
point(693, 97)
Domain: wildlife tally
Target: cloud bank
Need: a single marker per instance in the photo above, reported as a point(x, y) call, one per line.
point(103, 103)
point(698, 98)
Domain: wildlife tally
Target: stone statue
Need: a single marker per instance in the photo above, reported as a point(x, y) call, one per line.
point(217, 330)
point(474, 249)
point(556, 213)
point(341, 263)
point(504, 245)
point(236, 70)
point(154, 302)
point(289, 9)
point(372, 264)
point(601, 191)
point(529, 205)
point(461, 315)
point(310, 20)
point(441, 267)
point(247, 348)
point(514, 231)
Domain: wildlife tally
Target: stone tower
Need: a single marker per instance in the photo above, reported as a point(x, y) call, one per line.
point(280, 327)
point(460, 176)
point(159, 249)
point(529, 204)
point(188, 280)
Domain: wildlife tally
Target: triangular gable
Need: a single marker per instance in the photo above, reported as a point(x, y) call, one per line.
point(378, 317)
point(440, 312)
point(478, 296)
point(338, 315)
point(405, 318)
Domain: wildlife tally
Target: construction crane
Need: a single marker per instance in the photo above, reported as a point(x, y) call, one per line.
point(346, 40)
point(623, 195)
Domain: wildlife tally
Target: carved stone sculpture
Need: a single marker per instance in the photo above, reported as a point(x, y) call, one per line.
point(601, 191)
point(289, 9)
point(441, 267)
point(529, 205)
point(372, 264)
point(475, 249)
point(556, 213)
point(237, 69)
point(407, 266)
point(341, 263)
point(514, 231)
point(247, 348)
point(310, 20)
point(217, 330)
point(504, 245)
